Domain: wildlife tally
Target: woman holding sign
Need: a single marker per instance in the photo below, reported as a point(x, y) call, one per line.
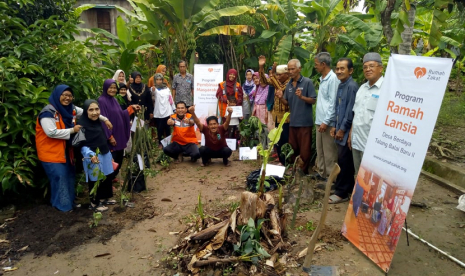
point(229, 93)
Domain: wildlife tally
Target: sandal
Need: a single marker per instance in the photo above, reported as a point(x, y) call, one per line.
point(98, 208)
point(108, 202)
point(334, 199)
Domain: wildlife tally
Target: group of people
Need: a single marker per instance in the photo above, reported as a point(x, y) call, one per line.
point(343, 119)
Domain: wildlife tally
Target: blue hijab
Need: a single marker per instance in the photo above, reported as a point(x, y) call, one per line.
point(66, 112)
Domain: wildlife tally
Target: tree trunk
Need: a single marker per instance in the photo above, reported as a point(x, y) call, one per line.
point(407, 35)
point(386, 22)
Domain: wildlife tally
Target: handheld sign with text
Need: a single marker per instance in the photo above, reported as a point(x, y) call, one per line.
point(237, 111)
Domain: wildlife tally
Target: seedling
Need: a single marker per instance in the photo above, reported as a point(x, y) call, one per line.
point(249, 244)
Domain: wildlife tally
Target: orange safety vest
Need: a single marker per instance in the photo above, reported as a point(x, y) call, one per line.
point(183, 134)
point(49, 149)
point(223, 106)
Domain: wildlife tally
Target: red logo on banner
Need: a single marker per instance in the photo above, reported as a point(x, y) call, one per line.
point(210, 69)
point(420, 72)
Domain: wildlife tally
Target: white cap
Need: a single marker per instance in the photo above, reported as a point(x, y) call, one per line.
point(280, 69)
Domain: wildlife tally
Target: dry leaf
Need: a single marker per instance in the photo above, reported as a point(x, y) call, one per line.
point(169, 214)
point(152, 230)
point(2, 241)
point(9, 268)
point(174, 233)
point(23, 248)
point(166, 200)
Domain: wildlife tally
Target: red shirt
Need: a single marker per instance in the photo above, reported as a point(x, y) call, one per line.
point(215, 141)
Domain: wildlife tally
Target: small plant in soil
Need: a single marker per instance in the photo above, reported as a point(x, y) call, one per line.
point(249, 244)
point(250, 132)
point(96, 219)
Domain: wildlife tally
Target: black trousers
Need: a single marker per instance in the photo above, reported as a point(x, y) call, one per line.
point(208, 153)
point(104, 190)
point(345, 180)
point(282, 140)
point(174, 149)
point(163, 129)
point(118, 156)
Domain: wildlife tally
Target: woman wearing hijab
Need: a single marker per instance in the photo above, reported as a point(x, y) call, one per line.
point(161, 69)
point(260, 94)
point(249, 85)
point(118, 137)
point(164, 106)
point(141, 95)
point(123, 92)
point(54, 130)
point(120, 77)
point(229, 93)
point(94, 163)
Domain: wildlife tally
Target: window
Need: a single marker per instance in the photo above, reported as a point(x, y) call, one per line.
point(103, 20)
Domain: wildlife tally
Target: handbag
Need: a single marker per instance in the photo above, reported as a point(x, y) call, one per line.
point(79, 138)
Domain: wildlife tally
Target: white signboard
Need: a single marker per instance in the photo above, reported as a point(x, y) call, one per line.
point(207, 77)
point(165, 142)
point(408, 106)
point(274, 170)
point(134, 124)
point(141, 163)
point(246, 153)
point(231, 143)
point(237, 111)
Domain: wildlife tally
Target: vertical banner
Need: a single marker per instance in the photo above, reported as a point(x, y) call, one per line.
point(408, 106)
point(206, 80)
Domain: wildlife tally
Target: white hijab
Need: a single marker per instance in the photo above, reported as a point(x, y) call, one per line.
point(115, 78)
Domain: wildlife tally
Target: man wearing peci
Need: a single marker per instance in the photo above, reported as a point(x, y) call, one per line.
point(365, 106)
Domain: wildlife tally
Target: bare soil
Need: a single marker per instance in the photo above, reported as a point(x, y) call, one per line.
point(136, 241)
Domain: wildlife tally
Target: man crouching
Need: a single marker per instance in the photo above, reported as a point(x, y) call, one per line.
point(215, 138)
point(184, 140)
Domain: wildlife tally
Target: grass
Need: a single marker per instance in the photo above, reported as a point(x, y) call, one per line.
point(452, 110)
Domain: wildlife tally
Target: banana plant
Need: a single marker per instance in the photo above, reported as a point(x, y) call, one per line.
point(126, 40)
point(183, 18)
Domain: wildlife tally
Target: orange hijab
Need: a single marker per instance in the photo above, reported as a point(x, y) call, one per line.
point(159, 69)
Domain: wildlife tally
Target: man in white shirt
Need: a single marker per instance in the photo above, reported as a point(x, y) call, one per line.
point(365, 106)
point(325, 120)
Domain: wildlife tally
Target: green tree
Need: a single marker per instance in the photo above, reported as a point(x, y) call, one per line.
point(33, 59)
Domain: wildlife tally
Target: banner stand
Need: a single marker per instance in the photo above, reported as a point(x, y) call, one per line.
point(406, 111)
point(406, 231)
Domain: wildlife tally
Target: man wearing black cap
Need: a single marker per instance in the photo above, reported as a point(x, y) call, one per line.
point(365, 106)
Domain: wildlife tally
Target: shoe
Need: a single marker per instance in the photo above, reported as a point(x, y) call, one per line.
point(98, 208)
point(108, 202)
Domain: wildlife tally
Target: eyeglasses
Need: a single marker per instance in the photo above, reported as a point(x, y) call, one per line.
point(69, 96)
point(371, 66)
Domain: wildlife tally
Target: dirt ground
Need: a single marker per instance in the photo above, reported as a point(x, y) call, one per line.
point(135, 241)
point(450, 137)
